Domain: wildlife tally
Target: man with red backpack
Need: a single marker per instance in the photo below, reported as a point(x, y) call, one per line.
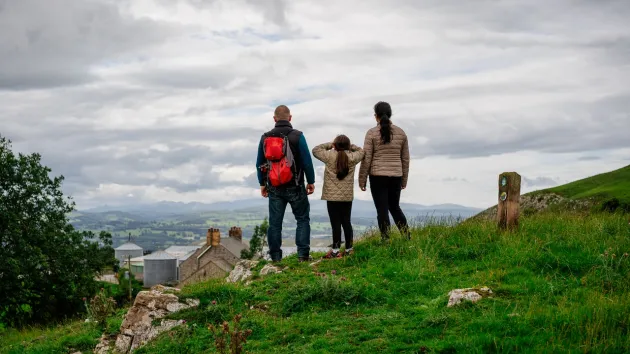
point(284, 159)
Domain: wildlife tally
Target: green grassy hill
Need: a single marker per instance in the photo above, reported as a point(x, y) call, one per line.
point(561, 283)
point(604, 192)
point(606, 186)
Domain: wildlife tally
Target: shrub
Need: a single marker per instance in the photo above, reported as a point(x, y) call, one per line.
point(233, 339)
point(120, 292)
point(257, 242)
point(100, 308)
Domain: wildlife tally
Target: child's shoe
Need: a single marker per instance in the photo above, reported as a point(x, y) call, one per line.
point(332, 253)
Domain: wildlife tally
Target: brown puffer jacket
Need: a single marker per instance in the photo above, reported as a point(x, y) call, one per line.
point(380, 159)
point(336, 190)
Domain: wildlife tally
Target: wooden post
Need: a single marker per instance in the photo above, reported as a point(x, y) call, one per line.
point(130, 275)
point(509, 200)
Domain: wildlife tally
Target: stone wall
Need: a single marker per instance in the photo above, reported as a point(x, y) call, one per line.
point(208, 271)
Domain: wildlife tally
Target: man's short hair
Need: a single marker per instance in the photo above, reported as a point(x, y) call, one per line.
point(282, 112)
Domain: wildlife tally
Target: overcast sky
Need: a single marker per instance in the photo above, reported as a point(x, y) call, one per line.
point(148, 100)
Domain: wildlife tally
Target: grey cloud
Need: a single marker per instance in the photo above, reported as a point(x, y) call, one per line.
point(203, 77)
point(602, 124)
point(61, 46)
point(540, 181)
point(273, 11)
point(589, 158)
point(454, 179)
point(48, 46)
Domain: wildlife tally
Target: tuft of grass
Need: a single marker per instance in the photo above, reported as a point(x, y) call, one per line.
point(68, 337)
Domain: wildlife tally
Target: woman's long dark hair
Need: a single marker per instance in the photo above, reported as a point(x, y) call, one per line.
point(384, 111)
point(342, 143)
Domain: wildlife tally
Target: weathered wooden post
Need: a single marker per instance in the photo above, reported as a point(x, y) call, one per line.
point(509, 200)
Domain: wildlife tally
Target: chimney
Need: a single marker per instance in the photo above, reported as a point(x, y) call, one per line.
point(213, 237)
point(236, 233)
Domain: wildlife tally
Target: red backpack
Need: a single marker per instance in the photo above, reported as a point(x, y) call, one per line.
point(279, 167)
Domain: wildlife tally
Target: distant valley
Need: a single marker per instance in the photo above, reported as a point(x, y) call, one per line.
point(159, 225)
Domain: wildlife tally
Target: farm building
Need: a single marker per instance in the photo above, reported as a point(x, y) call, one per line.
point(215, 259)
point(137, 267)
point(126, 250)
point(159, 268)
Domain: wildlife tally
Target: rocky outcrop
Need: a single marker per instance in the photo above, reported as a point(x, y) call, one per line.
point(242, 271)
point(270, 269)
point(104, 345)
point(138, 326)
point(532, 203)
point(458, 296)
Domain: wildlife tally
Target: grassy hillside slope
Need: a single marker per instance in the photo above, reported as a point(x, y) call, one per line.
point(561, 284)
point(615, 184)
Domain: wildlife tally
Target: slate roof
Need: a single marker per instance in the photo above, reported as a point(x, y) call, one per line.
point(128, 246)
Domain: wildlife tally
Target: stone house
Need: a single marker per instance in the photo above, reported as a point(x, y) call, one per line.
point(215, 259)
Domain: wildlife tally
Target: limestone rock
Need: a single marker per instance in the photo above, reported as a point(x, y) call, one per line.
point(137, 328)
point(316, 263)
point(270, 269)
point(242, 271)
point(104, 345)
point(457, 296)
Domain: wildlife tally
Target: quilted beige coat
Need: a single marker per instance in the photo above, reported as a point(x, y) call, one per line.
point(380, 159)
point(336, 190)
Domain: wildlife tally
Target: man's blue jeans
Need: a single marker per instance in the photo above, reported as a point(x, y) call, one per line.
point(278, 200)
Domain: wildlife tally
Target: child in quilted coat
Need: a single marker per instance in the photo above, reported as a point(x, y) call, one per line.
point(340, 158)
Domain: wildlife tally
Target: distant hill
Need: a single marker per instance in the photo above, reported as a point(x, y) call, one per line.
point(607, 191)
point(159, 225)
point(602, 187)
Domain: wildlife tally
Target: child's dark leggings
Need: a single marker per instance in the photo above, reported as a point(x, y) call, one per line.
point(340, 215)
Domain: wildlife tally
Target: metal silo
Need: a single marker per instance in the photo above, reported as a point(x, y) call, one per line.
point(159, 268)
point(125, 250)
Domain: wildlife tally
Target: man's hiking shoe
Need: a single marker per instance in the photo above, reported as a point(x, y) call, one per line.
point(349, 252)
point(333, 254)
point(304, 259)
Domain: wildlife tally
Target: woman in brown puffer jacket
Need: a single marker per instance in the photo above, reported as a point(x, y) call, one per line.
point(386, 164)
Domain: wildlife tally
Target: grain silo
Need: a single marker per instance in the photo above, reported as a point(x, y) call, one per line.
point(125, 250)
point(159, 268)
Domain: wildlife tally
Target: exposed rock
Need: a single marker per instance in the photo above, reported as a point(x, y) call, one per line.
point(536, 202)
point(242, 271)
point(457, 296)
point(270, 269)
point(137, 328)
point(315, 263)
point(104, 345)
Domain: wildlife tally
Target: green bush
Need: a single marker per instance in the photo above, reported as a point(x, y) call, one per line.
point(100, 307)
point(257, 242)
point(47, 266)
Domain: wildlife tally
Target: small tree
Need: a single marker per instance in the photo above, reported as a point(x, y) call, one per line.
point(46, 266)
point(257, 242)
